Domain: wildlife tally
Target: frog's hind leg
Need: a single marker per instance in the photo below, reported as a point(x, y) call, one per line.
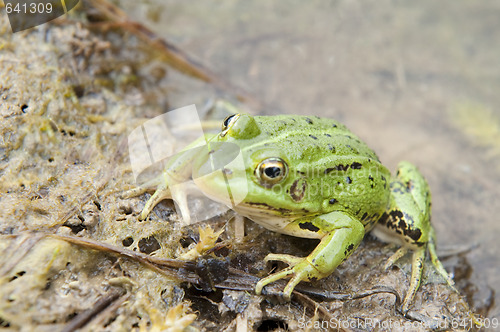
point(417, 266)
point(436, 262)
point(407, 222)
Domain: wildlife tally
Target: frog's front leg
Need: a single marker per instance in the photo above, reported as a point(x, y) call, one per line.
point(172, 183)
point(341, 234)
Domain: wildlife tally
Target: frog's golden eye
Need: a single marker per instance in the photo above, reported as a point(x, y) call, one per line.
point(226, 124)
point(271, 171)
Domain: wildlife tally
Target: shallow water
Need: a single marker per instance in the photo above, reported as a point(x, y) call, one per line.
point(415, 81)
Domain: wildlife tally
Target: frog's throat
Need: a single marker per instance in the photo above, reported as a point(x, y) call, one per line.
point(272, 219)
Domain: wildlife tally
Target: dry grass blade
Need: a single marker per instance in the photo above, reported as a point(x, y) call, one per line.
point(115, 296)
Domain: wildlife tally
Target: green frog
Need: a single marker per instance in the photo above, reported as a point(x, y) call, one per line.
point(310, 177)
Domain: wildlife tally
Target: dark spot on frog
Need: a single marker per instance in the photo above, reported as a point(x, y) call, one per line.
point(355, 165)
point(401, 223)
point(328, 170)
point(334, 125)
point(313, 137)
point(328, 135)
point(398, 188)
point(348, 180)
point(269, 207)
point(342, 167)
point(331, 148)
point(409, 185)
point(352, 149)
point(370, 177)
point(385, 181)
point(298, 189)
point(309, 121)
point(349, 249)
point(364, 216)
point(309, 226)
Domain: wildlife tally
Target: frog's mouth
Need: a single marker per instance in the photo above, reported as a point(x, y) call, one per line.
point(221, 174)
point(223, 187)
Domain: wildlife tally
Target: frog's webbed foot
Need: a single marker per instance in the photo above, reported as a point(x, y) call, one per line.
point(177, 192)
point(300, 269)
point(417, 267)
point(162, 192)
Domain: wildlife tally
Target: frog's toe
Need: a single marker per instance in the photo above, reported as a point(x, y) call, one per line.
point(272, 278)
point(159, 195)
point(395, 257)
point(133, 192)
point(288, 259)
point(298, 276)
point(300, 270)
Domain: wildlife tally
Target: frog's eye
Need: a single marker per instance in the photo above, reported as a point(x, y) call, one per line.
point(226, 124)
point(271, 171)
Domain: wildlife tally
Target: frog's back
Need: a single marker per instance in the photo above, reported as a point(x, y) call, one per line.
point(312, 137)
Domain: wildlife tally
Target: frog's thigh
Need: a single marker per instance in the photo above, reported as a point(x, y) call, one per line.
point(407, 220)
point(340, 235)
